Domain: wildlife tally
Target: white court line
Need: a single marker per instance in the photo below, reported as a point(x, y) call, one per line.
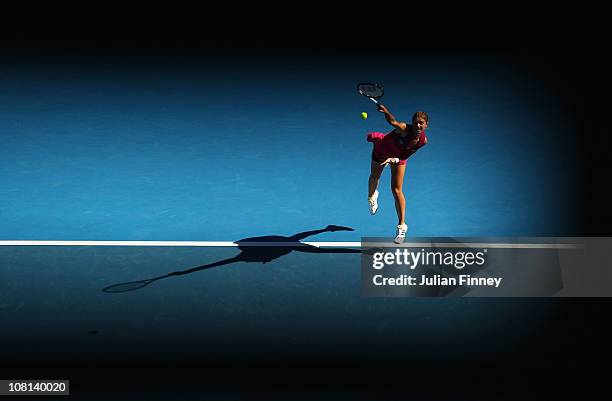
point(177, 243)
point(289, 244)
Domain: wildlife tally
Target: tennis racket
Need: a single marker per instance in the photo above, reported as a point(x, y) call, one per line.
point(133, 285)
point(372, 91)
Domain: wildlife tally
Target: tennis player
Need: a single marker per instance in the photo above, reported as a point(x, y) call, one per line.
point(394, 148)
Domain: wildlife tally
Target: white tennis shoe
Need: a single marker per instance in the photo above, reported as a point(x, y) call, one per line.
point(401, 233)
point(373, 201)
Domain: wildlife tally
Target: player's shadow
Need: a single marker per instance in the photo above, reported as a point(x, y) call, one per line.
point(256, 249)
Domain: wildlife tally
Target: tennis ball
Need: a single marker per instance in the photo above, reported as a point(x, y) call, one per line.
point(364, 115)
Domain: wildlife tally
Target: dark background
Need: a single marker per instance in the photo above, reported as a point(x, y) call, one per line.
point(557, 360)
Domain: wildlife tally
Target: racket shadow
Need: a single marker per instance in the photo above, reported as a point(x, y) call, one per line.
point(250, 253)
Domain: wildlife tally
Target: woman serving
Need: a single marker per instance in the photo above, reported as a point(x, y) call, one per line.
point(394, 149)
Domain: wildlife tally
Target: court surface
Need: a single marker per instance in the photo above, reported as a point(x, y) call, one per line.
point(217, 150)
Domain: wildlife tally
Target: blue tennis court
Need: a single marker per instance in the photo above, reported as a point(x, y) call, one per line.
point(216, 150)
point(213, 149)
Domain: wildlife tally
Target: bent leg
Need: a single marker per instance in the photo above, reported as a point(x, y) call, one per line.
point(375, 172)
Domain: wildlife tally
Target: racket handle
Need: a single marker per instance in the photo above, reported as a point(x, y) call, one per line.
point(378, 104)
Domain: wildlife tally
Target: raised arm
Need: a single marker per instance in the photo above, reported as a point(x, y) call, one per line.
point(391, 119)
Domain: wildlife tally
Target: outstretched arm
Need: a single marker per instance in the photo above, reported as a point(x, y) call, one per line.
point(391, 119)
point(331, 228)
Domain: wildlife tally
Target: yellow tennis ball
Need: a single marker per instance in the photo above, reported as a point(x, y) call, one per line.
point(364, 115)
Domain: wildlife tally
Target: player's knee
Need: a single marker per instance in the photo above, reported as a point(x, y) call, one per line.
point(396, 190)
